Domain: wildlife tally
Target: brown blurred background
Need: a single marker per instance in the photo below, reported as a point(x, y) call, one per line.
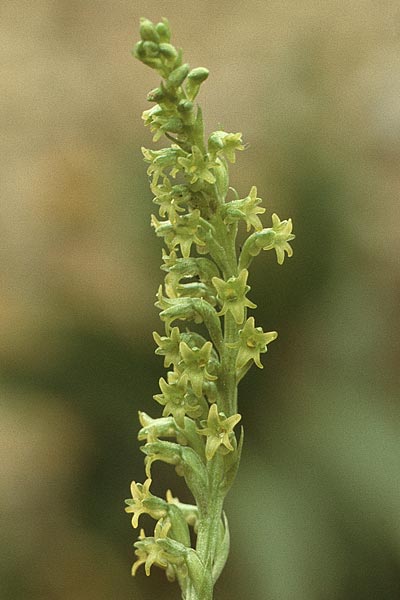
point(314, 87)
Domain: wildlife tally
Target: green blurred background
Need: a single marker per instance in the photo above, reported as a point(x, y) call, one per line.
point(314, 87)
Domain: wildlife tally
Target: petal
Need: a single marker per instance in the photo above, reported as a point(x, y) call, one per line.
point(237, 311)
point(136, 565)
point(212, 445)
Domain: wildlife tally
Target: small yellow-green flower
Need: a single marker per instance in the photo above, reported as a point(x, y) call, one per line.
point(232, 295)
point(169, 199)
point(246, 210)
point(194, 365)
point(176, 398)
point(283, 231)
point(198, 167)
point(149, 553)
point(168, 346)
point(162, 159)
point(253, 341)
point(140, 493)
point(183, 232)
point(227, 143)
point(219, 432)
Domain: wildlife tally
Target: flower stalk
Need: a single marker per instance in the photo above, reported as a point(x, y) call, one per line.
point(209, 343)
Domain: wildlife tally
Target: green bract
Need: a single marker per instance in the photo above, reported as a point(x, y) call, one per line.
point(209, 342)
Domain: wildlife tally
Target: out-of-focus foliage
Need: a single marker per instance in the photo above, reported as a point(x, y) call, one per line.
point(314, 87)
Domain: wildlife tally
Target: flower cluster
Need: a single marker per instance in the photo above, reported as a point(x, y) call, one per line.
point(209, 343)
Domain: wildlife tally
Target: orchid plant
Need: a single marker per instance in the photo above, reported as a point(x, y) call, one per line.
point(209, 342)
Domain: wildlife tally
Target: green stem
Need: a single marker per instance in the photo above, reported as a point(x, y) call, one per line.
point(210, 524)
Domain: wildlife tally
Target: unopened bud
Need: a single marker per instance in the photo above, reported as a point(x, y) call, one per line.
point(138, 50)
point(150, 49)
point(148, 31)
point(198, 75)
point(155, 95)
point(185, 106)
point(178, 76)
point(168, 50)
point(163, 30)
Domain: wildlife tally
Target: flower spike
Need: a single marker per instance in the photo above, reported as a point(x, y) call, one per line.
point(209, 343)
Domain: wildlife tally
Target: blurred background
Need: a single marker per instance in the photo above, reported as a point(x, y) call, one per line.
point(314, 87)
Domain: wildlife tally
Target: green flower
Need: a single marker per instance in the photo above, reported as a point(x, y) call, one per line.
point(283, 235)
point(246, 210)
point(169, 199)
point(219, 432)
point(153, 429)
point(232, 294)
point(227, 143)
point(194, 365)
point(194, 289)
point(162, 159)
point(168, 346)
point(183, 232)
point(169, 259)
point(136, 504)
point(195, 78)
point(177, 399)
point(197, 167)
point(253, 341)
point(162, 120)
point(150, 553)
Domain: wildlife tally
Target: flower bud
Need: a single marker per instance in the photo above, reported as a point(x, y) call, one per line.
point(168, 50)
point(198, 75)
point(156, 95)
point(178, 76)
point(215, 142)
point(163, 30)
point(138, 50)
point(151, 49)
point(148, 31)
point(185, 106)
